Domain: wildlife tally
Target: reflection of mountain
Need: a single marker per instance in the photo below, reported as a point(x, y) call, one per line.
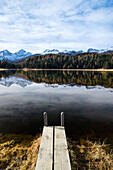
point(14, 80)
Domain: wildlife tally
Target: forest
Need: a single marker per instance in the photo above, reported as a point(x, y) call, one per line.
point(7, 65)
point(79, 61)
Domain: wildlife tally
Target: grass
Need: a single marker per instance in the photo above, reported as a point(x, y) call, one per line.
point(90, 155)
point(18, 152)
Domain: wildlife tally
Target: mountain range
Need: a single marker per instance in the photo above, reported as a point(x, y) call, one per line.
point(20, 55)
point(73, 52)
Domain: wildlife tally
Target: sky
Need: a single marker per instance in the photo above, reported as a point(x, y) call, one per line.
point(36, 25)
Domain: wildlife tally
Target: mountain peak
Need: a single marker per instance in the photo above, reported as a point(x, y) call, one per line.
point(53, 51)
point(21, 50)
point(5, 50)
point(90, 50)
point(4, 53)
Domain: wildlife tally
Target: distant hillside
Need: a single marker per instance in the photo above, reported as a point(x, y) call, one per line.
point(63, 61)
point(7, 65)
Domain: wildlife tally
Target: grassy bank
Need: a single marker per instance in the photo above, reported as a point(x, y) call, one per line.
point(18, 151)
point(87, 154)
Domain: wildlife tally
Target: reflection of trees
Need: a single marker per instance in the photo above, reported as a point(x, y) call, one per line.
point(65, 77)
point(7, 73)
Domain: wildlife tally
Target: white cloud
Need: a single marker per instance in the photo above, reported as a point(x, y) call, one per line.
point(64, 24)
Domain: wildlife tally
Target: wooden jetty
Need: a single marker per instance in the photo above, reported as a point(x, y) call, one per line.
point(53, 151)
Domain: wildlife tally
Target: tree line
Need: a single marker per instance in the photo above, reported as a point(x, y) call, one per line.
point(7, 65)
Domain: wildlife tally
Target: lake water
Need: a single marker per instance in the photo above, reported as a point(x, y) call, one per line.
point(86, 98)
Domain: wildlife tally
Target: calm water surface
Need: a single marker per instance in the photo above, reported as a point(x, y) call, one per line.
point(86, 98)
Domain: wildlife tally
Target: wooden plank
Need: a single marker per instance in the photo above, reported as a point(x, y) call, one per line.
point(61, 155)
point(45, 155)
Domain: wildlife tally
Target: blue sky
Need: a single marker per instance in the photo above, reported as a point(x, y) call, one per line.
point(36, 25)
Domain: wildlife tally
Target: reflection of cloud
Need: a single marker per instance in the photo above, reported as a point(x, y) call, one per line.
point(22, 108)
point(70, 24)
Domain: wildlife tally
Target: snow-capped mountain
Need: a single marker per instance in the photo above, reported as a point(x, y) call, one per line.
point(55, 51)
point(68, 52)
point(73, 52)
point(47, 51)
point(8, 56)
point(91, 50)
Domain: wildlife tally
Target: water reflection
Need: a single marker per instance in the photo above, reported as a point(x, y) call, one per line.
point(65, 77)
point(24, 96)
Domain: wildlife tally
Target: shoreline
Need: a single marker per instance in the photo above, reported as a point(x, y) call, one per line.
point(36, 69)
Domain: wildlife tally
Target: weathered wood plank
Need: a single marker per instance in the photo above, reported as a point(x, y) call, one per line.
point(61, 155)
point(45, 155)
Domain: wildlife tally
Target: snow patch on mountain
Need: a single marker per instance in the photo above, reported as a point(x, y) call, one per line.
point(55, 51)
point(47, 51)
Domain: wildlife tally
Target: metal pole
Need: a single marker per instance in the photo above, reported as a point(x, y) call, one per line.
point(45, 119)
point(62, 118)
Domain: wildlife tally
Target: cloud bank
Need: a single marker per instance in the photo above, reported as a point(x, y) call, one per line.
point(63, 24)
